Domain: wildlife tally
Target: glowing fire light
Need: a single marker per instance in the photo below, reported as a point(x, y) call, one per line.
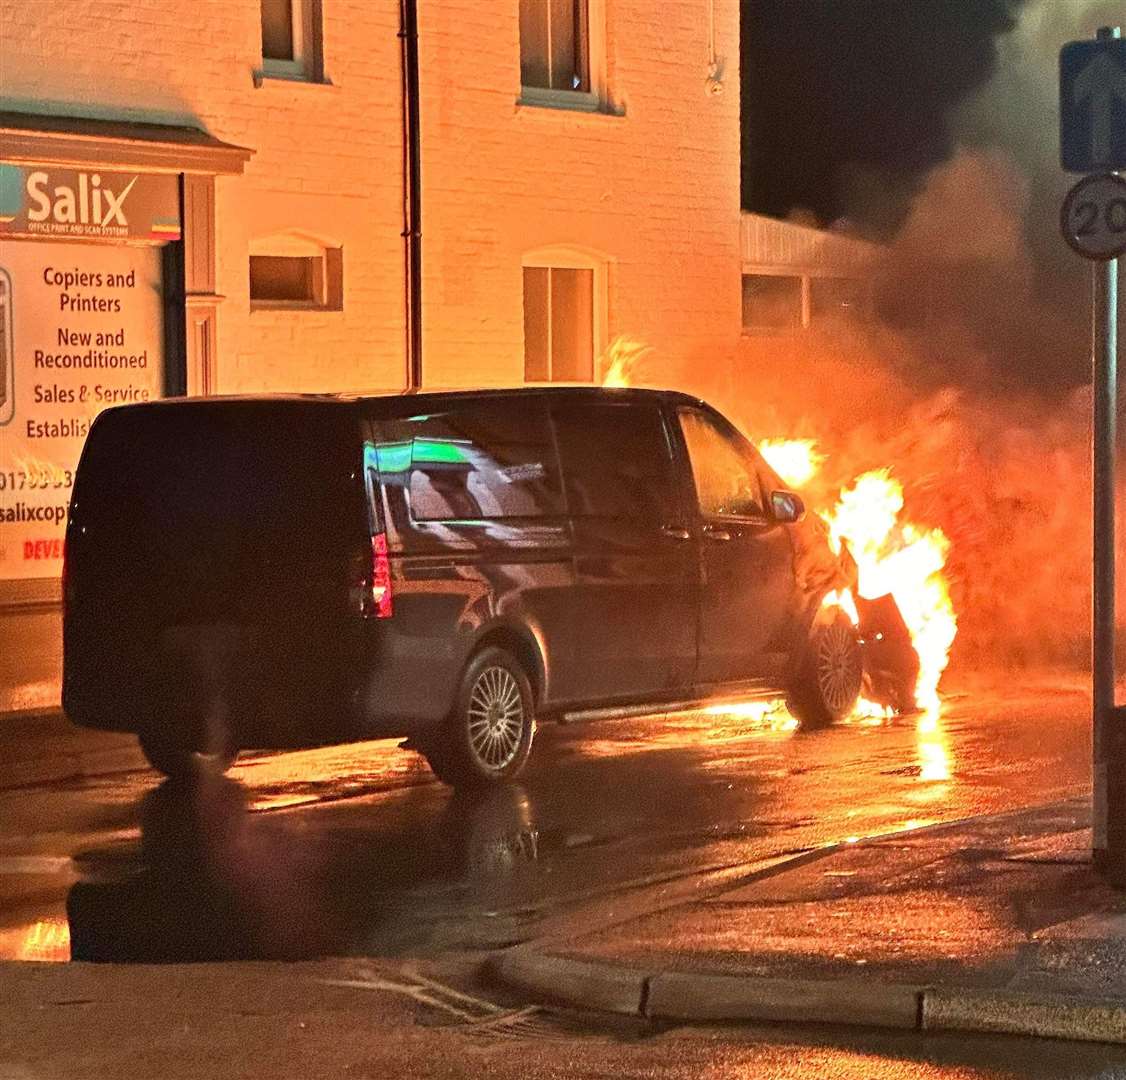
point(892, 556)
point(768, 715)
point(48, 939)
point(621, 361)
point(905, 560)
point(797, 461)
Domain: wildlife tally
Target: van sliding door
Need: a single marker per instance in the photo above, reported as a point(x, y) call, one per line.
point(635, 561)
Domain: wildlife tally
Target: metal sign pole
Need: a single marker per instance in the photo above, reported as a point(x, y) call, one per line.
point(1093, 222)
point(1109, 743)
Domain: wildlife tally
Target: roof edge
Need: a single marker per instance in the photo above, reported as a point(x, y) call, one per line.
point(53, 139)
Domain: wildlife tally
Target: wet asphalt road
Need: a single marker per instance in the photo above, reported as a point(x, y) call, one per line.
point(358, 851)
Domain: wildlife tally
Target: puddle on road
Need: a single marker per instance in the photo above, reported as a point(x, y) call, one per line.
point(42, 940)
point(207, 878)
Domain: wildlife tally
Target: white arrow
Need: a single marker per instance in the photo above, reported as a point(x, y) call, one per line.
point(1101, 81)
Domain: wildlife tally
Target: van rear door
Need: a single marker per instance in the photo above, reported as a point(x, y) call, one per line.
point(213, 534)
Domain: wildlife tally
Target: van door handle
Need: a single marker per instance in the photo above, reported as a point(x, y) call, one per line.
point(676, 532)
point(712, 532)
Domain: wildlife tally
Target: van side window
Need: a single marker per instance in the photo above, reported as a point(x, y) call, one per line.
point(723, 467)
point(480, 462)
point(617, 462)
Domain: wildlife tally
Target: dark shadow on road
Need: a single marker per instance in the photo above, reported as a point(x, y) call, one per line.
point(211, 881)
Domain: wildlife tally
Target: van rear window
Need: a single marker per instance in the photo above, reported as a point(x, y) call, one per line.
point(480, 462)
point(236, 480)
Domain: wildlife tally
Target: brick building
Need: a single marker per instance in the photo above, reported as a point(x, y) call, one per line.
point(209, 197)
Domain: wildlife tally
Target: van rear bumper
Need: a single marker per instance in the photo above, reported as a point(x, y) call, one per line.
point(377, 684)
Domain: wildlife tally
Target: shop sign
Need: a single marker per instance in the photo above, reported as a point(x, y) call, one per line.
point(45, 202)
point(81, 329)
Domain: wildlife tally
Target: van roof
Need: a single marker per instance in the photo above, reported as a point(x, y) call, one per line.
point(429, 398)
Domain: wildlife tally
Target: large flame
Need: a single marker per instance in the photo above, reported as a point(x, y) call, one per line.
point(904, 559)
point(893, 555)
point(797, 461)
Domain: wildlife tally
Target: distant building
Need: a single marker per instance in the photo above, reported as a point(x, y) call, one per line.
point(797, 278)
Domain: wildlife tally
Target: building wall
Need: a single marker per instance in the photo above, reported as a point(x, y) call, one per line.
point(327, 157)
point(650, 185)
point(654, 190)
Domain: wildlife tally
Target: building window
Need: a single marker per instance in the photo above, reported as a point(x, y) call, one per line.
point(562, 53)
point(772, 302)
point(558, 324)
point(291, 39)
point(297, 274)
point(555, 44)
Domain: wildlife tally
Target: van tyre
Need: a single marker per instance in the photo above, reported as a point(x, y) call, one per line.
point(179, 761)
point(828, 682)
point(488, 736)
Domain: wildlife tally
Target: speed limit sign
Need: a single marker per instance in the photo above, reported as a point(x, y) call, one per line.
point(1093, 218)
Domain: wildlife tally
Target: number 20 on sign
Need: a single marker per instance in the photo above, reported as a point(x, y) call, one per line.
point(1093, 219)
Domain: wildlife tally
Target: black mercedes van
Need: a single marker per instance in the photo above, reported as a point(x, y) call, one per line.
point(270, 572)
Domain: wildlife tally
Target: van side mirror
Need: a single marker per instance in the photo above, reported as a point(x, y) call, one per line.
point(787, 508)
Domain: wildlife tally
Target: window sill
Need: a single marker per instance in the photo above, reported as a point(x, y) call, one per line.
point(262, 78)
point(290, 305)
point(536, 97)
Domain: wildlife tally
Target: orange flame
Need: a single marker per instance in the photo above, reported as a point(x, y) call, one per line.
point(48, 939)
point(892, 555)
point(904, 559)
point(622, 360)
point(797, 461)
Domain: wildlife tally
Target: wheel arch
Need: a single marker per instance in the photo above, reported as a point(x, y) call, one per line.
point(522, 644)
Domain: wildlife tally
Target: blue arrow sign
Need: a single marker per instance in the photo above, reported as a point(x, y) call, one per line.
point(1093, 105)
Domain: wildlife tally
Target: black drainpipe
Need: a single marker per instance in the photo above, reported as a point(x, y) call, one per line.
point(412, 190)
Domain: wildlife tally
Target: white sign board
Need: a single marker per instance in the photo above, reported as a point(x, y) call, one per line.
point(80, 330)
point(1093, 219)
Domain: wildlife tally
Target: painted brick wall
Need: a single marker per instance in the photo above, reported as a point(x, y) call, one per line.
point(655, 190)
point(327, 158)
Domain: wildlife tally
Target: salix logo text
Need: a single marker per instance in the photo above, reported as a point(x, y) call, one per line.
point(87, 204)
point(42, 201)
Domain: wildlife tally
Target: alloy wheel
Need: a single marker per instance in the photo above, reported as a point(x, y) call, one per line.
point(496, 718)
point(839, 667)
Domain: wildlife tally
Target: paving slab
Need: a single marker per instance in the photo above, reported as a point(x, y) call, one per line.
point(994, 924)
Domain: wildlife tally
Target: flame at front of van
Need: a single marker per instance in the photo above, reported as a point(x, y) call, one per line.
point(894, 556)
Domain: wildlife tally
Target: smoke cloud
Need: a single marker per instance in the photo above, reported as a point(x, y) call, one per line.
point(973, 382)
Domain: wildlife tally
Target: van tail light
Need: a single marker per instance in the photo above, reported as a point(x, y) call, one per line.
point(381, 605)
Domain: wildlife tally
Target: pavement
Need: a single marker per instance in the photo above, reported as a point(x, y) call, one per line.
point(996, 924)
point(362, 1020)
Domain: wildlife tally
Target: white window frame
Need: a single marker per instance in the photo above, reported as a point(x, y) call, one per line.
point(305, 64)
point(569, 258)
point(592, 100)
